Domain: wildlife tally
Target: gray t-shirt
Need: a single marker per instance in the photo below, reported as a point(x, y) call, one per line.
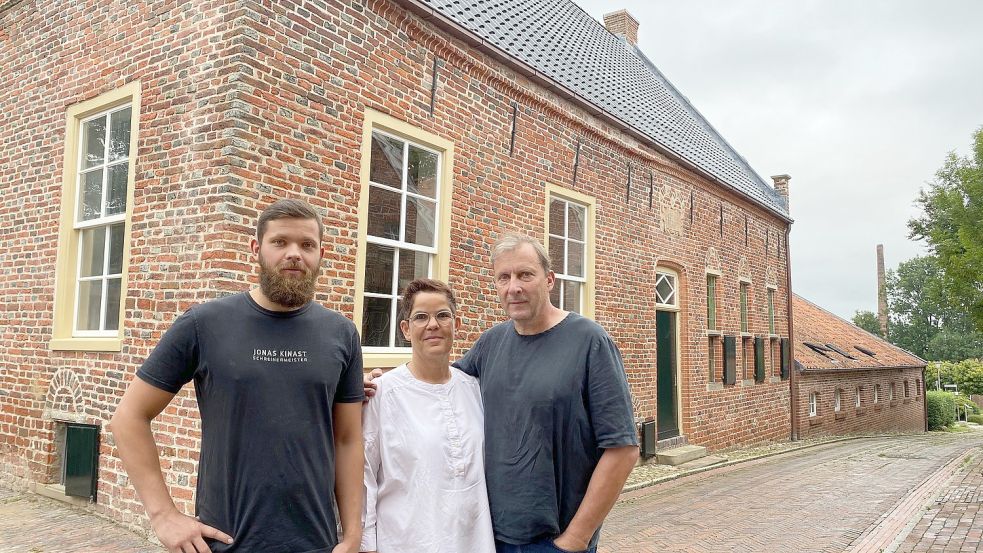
point(553, 402)
point(266, 384)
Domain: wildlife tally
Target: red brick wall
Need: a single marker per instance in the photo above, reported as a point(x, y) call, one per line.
point(242, 105)
point(901, 415)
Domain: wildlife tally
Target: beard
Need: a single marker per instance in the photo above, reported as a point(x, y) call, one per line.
point(287, 291)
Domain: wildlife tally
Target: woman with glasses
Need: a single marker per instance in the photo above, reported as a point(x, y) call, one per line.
point(424, 442)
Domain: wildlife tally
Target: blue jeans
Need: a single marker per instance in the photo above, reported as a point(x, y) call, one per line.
point(542, 546)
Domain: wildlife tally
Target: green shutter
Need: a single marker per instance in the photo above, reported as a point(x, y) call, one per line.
point(786, 346)
point(730, 360)
point(81, 460)
point(759, 359)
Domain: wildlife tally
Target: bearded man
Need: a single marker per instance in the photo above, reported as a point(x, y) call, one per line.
point(278, 380)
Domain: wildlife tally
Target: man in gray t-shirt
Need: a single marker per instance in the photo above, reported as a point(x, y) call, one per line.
point(560, 436)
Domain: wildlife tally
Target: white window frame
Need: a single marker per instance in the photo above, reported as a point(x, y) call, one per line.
point(859, 390)
point(661, 274)
point(877, 393)
point(561, 272)
point(813, 404)
point(836, 400)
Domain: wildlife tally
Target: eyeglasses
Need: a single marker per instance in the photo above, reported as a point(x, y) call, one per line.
point(422, 319)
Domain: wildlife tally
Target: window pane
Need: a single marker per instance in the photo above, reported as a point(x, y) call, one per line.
point(555, 294)
point(557, 220)
point(575, 259)
point(420, 221)
point(116, 249)
point(379, 269)
point(571, 296)
point(90, 204)
point(116, 196)
point(119, 135)
point(664, 289)
point(575, 221)
point(412, 265)
point(401, 342)
point(375, 322)
point(112, 303)
point(383, 216)
point(387, 161)
point(89, 304)
point(556, 255)
point(93, 142)
point(421, 177)
point(93, 251)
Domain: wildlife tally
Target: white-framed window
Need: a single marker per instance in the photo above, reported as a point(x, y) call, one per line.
point(99, 167)
point(877, 393)
point(100, 220)
point(666, 289)
point(744, 306)
point(836, 400)
point(402, 229)
point(907, 390)
point(858, 396)
point(567, 246)
point(813, 404)
point(893, 388)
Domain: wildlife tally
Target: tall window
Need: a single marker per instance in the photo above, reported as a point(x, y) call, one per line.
point(877, 393)
point(836, 400)
point(401, 231)
point(744, 317)
point(94, 238)
point(859, 390)
point(771, 311)
point(711, 302)
point(893, 388)
point(103, 169)
point(813, 404)
point(907, 390)
point(568, 253)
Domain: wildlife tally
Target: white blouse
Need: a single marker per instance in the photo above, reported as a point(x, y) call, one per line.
point(424, 467)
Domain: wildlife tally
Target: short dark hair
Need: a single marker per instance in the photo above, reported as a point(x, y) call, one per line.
point(288, 208)
point(425, 285)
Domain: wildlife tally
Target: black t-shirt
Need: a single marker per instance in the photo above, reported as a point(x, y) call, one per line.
point(553, 402)
point(266, 383)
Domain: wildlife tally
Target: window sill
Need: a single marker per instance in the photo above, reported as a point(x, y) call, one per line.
point(384, 360)
point(775, 336)
point(715, 386)
point(747, 335)
point(907, 400)
point(747, 382)
point(840, 416)
point(894, 403)
point(714, 333)
point(86, 344)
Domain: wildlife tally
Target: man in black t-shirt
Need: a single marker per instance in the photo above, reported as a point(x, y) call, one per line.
point(278, 382)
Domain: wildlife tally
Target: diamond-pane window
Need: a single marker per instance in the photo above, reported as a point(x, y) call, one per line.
point(665, 289)
point(567, 249)
point(401, 234)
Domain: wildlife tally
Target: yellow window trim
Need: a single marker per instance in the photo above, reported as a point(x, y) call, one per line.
point(373, 121)
point(591, 204)
point(66, 266)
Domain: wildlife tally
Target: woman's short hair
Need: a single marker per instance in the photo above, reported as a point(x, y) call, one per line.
point(425, 285)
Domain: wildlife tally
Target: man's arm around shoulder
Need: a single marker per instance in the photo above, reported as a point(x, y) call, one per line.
point(349, 470)
point(130, 426)
point(605, 486)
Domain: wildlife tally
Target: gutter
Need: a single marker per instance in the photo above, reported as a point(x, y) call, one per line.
point(426, 13)
point(792, 384)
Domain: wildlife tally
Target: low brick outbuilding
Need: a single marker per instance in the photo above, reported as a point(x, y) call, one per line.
point(850, 381)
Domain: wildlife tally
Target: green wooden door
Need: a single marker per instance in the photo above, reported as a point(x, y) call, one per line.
point(665, 332)
point(81, 460)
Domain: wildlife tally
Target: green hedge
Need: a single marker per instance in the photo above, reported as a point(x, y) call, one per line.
point(941, 410)
point(978, 419)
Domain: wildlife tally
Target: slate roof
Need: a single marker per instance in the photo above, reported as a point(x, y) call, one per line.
point(814, 325)
point(558, 39)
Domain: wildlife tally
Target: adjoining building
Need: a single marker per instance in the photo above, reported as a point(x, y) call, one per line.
point(141, 141)
point(850, 381)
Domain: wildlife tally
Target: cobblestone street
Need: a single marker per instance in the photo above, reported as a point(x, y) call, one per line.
point(902, 493)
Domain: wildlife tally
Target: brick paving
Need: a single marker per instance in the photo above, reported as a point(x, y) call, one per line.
point(954, 522)
point(823, 499)
point(862, 494)
point(33, 524)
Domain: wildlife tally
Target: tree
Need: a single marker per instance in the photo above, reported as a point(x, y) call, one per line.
point(924, 319)
point(952, 224)
point(867, 320)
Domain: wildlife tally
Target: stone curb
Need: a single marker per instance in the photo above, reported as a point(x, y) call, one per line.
point(671, 477)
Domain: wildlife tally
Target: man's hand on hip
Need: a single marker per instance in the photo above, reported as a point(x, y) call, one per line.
point(183, 534)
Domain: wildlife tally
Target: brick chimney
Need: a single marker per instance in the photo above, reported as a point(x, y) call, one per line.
point(781, 186)
point(621, 23)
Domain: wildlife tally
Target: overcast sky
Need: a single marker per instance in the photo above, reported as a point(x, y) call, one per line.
point(859, 101)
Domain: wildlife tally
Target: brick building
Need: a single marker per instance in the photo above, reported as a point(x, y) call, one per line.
point(141, 141)
point(849, 381)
